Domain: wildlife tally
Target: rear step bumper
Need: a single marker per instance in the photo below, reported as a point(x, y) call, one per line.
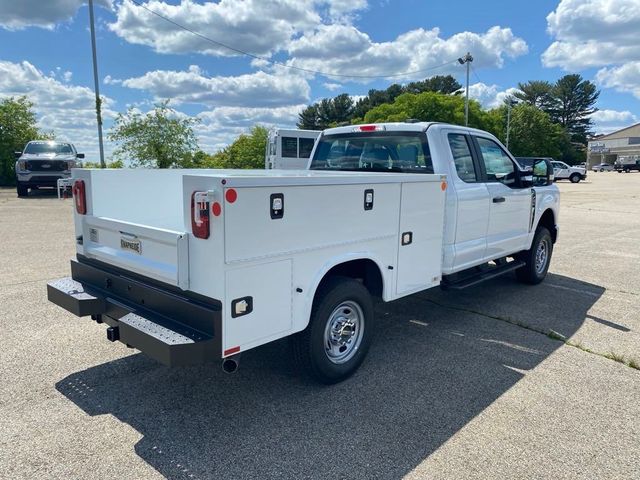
point(171, 328)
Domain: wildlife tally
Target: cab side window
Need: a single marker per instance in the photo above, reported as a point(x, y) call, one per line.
point(498, 165)
point(462, 157)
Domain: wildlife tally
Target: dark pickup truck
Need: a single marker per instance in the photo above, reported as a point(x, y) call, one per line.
point(627, 167)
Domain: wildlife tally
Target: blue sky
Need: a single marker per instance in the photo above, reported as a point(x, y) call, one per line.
point(45, 54)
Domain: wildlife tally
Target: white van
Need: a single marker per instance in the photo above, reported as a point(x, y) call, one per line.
point(289, 148)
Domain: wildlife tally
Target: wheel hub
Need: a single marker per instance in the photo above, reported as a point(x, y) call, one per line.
point(343, 333)
point(542, 253)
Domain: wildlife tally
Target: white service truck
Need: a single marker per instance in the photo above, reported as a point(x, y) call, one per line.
point(289, 148)
point(196, 265)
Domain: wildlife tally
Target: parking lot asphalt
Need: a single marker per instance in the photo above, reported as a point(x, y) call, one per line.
point(458, 384)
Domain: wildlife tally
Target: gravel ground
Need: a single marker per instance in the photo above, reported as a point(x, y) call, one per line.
point(459, 384)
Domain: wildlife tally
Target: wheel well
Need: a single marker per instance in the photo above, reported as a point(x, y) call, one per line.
point(549, 222)
point(363, 269)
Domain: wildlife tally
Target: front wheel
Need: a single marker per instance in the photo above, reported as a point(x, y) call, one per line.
point(575, 178)
point(537, 258)
point(339, 333)
point(22, 190)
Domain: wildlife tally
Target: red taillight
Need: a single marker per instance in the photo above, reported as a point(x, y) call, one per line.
point(368, 128)
point(80, 197)
point(200, 218)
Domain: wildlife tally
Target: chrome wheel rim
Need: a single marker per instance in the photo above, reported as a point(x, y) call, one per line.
point(542, 256)
point(344, 332)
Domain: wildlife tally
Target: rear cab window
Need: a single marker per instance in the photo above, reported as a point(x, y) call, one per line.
point(380, 151)
point(462, 158)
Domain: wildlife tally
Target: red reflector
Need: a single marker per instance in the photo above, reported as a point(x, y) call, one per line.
point(231, 195)
point(200, 229)
point(231, 351)
point(79, 197)
point(216, 209)
point(367, 128)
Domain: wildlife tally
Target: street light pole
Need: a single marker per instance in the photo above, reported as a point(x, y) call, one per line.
point(96, 82)
point(508, 122)
point(466, 59)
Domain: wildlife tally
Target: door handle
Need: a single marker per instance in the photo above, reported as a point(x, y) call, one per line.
point(498, 199)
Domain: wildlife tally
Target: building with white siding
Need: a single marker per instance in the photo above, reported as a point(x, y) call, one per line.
point(621, 145)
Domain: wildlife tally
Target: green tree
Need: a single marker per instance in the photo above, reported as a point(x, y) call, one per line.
point(538, 93)
point(438, 83)
point(532, 132)
point(329, 112)
point(112, 164)
point(575, 100)
point(17, 127)
point(247, 151)
point(431, 107)
point(158, 139)
point(308, 118)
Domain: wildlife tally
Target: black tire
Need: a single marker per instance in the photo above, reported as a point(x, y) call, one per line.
point(626, 170)
point(22, 190)
point(309, 348)
point(574, 178)
point(529, 273)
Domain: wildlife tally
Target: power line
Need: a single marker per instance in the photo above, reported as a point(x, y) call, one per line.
point(275, 62)
point(475, 74)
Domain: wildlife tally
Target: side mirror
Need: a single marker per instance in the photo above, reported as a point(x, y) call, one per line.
point(17, 154)
point(79, 155)
point(525, 177)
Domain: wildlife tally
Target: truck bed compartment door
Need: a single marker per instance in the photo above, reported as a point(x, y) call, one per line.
point(258, 307)
point(153, 252)
point(420, 239)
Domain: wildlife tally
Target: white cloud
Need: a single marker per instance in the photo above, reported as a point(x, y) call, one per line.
point(109, 80)
point(258, 89)
point(256, 26)
point(68, 110)
point(625, 78)
point(342, 10)
point(490, 96)
point(592, 33)
point(611, 116)
point(19, 14)
point(607, 121)
point(222, 125)
point(342, 49)
point(332, 86)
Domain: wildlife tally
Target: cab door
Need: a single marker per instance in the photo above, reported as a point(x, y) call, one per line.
point(560, 170)
point(510, 205)
point(472, 204)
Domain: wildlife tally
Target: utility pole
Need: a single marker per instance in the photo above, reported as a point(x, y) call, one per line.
point(466, 59)
point(96, 82)
point(510, 102)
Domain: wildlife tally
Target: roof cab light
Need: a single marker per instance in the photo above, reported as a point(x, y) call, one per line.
point(200, 213)
point(79, 197)
point(369, 128)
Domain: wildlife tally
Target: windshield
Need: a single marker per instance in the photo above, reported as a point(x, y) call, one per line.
point(48, 147)
point(376, 151)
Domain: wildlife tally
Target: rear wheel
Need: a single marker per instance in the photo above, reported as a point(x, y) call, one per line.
point(537, 258)
point(339, 333)
point(574, 178)
point(626, 170)
point(22, 190)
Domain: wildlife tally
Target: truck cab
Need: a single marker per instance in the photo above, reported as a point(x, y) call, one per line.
point(491, 199)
